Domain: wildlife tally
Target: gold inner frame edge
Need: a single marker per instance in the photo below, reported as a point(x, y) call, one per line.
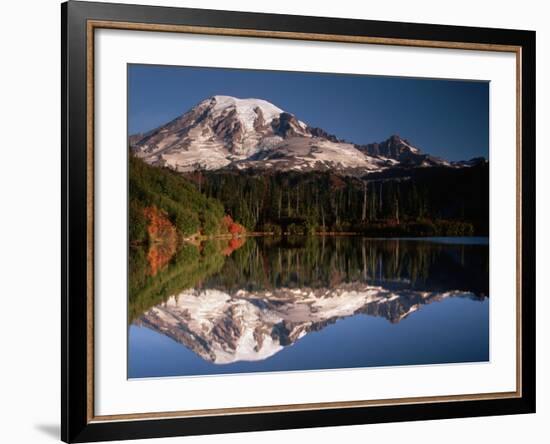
point(234, 32)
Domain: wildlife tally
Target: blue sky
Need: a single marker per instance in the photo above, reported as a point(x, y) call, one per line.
point(446, 118)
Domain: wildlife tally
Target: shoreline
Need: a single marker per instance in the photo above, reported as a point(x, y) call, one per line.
point(202, 238)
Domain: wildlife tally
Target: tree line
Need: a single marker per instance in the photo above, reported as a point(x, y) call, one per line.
point(187, 209)
point(430, 201)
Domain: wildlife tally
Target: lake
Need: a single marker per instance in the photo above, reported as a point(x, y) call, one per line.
point(265, 304)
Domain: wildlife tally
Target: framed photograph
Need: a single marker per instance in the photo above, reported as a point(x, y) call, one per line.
point(276, 221)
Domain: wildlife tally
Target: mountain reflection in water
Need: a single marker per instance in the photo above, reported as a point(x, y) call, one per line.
point(244, 309)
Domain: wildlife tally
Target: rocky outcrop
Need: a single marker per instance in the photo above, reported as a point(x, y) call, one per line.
point(401, 151)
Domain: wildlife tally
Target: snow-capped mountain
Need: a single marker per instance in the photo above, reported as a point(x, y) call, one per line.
point(250, 326)
point(227, 132)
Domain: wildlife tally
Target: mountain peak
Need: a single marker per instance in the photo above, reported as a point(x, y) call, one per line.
point(396, 138)
point(226, 131)
point(394, 147)
point(246, 109)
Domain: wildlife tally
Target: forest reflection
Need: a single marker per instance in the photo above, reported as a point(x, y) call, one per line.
point(266, 263)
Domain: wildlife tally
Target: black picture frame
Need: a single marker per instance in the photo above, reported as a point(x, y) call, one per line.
point(76, 423)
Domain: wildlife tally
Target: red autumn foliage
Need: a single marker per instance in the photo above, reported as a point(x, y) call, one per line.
point(231, 226)
point(234, 244)
point(158, 256)
point(162, 235)
point(159, 227)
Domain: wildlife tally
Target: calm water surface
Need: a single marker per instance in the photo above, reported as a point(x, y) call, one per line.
point(304, 303)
